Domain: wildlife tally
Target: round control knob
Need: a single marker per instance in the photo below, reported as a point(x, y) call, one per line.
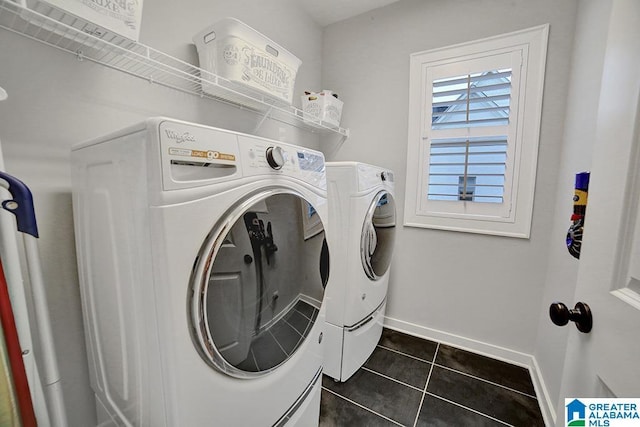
point(275, 157)
point(383, 176)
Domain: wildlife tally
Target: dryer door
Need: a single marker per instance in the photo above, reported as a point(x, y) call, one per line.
point(378, 236)
point(258, 283)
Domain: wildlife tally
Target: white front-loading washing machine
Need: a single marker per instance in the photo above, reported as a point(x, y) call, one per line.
point(362, 215)
point(203, 263)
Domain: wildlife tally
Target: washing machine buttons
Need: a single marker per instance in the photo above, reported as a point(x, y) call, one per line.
point(275, 157)
point(383, 176)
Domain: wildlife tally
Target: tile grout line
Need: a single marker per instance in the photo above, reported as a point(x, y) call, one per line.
point(391, 379)
point(424, 392)
point(433, 362)
point(455, 370)
point(361, 406)
point(405, 354)
point(486, 381)
point(468, 409)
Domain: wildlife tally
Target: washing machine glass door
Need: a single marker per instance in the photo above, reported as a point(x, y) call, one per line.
point(378, 235)
point(258, 283)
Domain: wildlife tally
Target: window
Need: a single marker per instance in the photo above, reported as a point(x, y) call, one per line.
point(469, 102)
point(474, 120)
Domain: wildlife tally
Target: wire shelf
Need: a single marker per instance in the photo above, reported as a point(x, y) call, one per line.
point(86, 41)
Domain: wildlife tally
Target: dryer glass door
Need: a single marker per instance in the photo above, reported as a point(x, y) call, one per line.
point(258, 283)
point(378, 236)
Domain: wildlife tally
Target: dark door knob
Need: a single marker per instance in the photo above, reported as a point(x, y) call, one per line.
point(561, 315)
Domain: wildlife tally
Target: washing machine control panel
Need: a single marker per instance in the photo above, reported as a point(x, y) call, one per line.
point(260, 156)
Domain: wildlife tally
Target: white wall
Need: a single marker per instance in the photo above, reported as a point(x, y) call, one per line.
point(577, 145)
point(56, 101)
point(485, 289)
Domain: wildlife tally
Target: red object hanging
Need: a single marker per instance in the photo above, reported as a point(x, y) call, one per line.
point(14, 352)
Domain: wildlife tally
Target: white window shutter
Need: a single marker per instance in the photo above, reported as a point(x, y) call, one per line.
point(473, 134)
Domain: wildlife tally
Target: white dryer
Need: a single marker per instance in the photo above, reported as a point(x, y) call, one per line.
point(202, 264)
point(362, 218)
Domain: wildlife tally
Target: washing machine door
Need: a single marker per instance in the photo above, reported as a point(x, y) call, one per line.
point(378, 235)
point(258, 283)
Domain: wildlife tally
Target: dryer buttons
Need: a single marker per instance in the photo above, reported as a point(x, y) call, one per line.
point(275, 157)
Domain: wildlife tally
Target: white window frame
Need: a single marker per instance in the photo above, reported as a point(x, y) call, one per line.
point(513, 217)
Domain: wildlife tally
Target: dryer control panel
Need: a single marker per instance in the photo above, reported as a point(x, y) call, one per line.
point(263, 156)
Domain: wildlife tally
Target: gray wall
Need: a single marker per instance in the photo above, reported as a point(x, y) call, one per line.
point(56, 101)
point(486, 289)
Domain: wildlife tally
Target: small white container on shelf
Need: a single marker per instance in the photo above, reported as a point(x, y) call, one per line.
point(233, 50)
point(324, 106)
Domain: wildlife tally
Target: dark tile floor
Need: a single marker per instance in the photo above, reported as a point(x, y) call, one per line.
point(409, 381)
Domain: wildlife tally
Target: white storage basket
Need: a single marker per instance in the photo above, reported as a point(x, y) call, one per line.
point(237, 52)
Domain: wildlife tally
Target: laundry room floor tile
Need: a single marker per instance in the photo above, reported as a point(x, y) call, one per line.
point(398, 366)
point(379, 394)
point(410, 381)
point(407, 344)
point(501, 403)
point(339, 411)
point(505, 374)
point(438, 412)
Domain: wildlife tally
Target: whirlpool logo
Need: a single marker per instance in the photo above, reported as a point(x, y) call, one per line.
point(615, 412)
point(179, 137)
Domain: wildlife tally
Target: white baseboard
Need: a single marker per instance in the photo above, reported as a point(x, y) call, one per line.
point(485, 349)
point(546, 405)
